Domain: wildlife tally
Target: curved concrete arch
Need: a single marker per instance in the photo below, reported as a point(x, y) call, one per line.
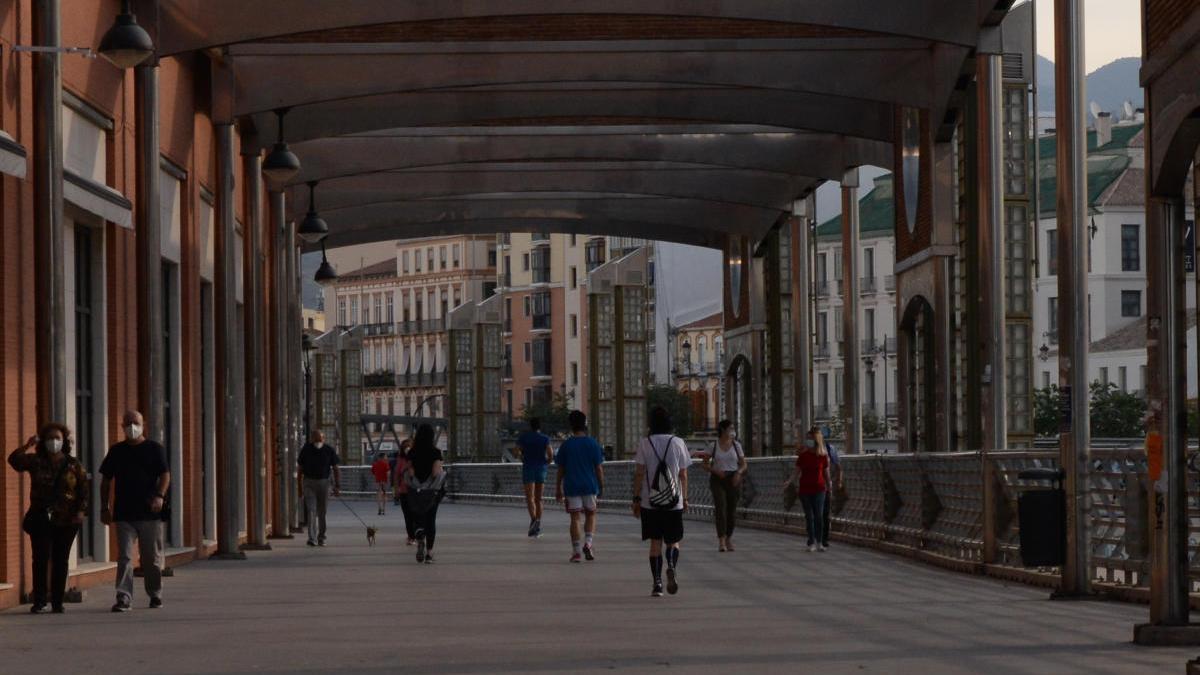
point(192, 25)
point(823, 156)
point(277, 76)
point(785, 110)
point(745, 188)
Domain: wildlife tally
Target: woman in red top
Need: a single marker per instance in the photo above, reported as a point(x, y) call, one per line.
point(810, 478)
point(380, 470)
point(401, 487)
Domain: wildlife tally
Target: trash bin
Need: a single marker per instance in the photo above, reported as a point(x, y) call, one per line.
point(1042, 514)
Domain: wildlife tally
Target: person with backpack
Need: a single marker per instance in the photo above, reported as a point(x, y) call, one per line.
point(400, 489)
point(727, 464)
point(580, 481)
point(810, 478)
point(426, 477)
point(660, 488)
point(535, 458)
point(59, 490)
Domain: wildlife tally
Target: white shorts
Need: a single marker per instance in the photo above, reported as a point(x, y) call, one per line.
point(584, 504)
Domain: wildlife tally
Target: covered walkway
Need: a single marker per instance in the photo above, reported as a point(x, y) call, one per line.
point(499, 602)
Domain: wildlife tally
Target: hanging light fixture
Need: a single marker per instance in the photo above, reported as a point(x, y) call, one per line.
point(325, 273)
point(281, 164)
point(313, 228)
point(126, 44)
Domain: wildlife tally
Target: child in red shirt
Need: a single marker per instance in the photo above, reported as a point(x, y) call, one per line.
point(811, 478)
point(380, 470)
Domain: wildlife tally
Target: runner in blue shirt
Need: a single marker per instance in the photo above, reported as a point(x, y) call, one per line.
point(535, 455)
point(580, 482)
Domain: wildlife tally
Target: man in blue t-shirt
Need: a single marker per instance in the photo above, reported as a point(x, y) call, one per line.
point(535, 455)
point(580, 482)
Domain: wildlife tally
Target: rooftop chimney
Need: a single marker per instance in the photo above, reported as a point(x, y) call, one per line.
point(1104, 124)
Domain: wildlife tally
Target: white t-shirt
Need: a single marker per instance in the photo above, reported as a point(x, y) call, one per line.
point(673, 451)
point(726, 460)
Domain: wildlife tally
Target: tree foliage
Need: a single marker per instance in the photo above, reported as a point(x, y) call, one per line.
point(1114, 413)
point(552, 413)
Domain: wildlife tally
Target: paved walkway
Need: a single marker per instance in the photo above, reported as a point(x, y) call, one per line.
point(496, 601)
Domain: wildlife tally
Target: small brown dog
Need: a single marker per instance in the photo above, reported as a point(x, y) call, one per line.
point(371, 535)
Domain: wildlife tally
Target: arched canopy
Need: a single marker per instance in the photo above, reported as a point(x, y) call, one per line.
point(664, 119)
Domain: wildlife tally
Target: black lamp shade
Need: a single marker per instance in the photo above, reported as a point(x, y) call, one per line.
point(325, 274)
point(313, 228)
point(280, 165)
point(126, 44)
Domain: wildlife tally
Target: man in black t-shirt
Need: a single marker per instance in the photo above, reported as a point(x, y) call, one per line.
point(317, 462)
point(138, 466)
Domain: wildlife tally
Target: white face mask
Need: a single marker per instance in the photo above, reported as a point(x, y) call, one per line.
point(319, 444)
point(54, 445)
point(133, 431)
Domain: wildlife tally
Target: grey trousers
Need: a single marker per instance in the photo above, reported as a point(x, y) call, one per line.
point(316, 501)
point(148, 534)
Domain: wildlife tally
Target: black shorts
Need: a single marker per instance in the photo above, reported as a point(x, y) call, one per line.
point(664, 524)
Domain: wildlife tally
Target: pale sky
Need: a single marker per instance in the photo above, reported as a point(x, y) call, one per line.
point(1112, 29)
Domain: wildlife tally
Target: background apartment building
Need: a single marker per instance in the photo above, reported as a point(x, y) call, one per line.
point(401, 304)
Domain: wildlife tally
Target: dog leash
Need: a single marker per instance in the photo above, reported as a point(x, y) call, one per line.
point(351, 509)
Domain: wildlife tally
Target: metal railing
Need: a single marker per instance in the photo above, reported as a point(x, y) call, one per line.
point(419, 327)
point(866, 285)
point(821, 350)
point(928, 506)
point(378, 329)
point(386, 379)
point(821, 289)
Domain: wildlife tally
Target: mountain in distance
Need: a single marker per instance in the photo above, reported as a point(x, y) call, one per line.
point(1109, 85)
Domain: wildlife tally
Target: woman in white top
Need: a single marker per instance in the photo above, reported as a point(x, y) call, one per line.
point(660, 487)
point(727, 464)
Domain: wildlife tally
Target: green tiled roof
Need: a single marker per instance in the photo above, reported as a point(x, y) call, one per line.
point(1102, 170)
point(876, 212)
point(1121, 136)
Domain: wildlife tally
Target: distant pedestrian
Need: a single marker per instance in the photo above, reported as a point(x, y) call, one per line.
point(425, 476)
point(810, 479)
point(316, 464)
point(727, 464)
point(660, 488)
point(834, 485)
point(381, 470)
point(535, 458)
point(580, 482)
point(400, 488)
point(138, 467)
point(59, 491)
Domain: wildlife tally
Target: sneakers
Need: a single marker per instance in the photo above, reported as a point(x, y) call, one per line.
point(658, 590)
point(311, 542)
point(429, 558)
point(421, 550)
point(672, 585)
point(537, 527)
point(155, 603)
point(823, 548)
point(320, 542)
point(589, 553)
point(533, 527)
point(812, 547)
point(411, 542)
point(380, 512)
point(58, 609)
point(575, 557)
point(38, 608)
point(122, 605)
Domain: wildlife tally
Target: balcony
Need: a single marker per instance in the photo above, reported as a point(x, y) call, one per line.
point(378, 329)
point(541, 275)
point(506, 280)
point(421, 380)
point(541, 322)
point(821, 412)
point(866, 286)
point(507, 326)
point(821, 350)
point(540, 237)
point(505, 240)
point(821, 289)
point(892, 409)
point(380, 380)
point(889, 283)
point(420, 327)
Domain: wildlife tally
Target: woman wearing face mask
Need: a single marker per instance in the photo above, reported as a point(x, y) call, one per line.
point(810, 478)
point(58, 499)
point(727, 464)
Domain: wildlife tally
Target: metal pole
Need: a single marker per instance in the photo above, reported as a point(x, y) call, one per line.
point(232, 427)
point(802, 295)
point(1072, 289)
point(149, 255)
point(255, 296)
point(298, 400)
point(50, 310)
point(991, 243)
point(851, 396)
point(280, 521)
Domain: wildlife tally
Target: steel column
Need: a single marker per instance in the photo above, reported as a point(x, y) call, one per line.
point(280, 519)
point(990, 188)
point(802, 299)
point(232, 427)
point(1075, 435)
point(252, 264)
point(851, 396)
point(49, 280)
point(151, 383)
point(295, 358)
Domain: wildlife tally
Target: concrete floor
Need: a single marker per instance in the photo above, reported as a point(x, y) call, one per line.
point(496, 601)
